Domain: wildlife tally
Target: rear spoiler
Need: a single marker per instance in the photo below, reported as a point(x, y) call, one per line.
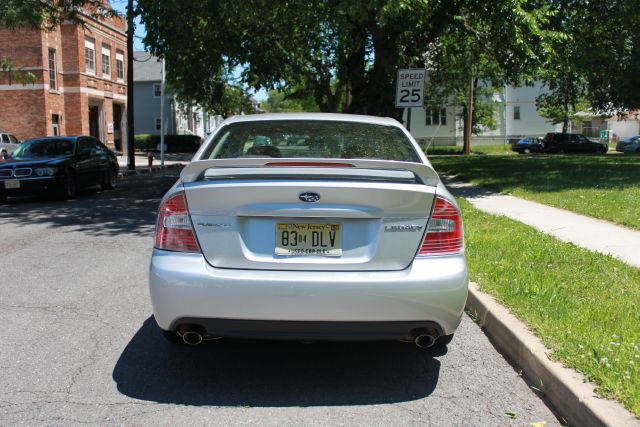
point(345, 169)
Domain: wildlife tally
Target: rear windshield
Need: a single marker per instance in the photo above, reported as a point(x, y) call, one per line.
point(44, 148)
point(311, 138)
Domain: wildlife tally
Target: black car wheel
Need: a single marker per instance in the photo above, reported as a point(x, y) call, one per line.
point(3, 197)
point(3, 155)
point(69, 188)
point(604, 149)
point(527, 151)
point(110, 180)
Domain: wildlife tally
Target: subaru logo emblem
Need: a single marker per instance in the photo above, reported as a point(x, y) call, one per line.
point(309, 197)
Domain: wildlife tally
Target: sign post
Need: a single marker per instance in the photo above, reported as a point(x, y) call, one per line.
point(410, 90)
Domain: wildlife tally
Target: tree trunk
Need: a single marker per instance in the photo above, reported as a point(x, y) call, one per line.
point(468, 122)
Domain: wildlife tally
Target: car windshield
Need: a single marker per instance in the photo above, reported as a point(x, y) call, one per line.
point(311, 138)
point(44, 148)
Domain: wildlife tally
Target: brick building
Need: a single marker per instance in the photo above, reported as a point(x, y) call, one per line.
point(81, 81)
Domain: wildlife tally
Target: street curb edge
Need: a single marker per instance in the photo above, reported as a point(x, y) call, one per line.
point(567, 390)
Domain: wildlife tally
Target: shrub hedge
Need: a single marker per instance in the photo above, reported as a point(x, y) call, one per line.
point(174, 143)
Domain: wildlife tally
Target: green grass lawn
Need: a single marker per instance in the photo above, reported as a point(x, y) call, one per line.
point(606, 187)
point(584, 306)
point(477, 150)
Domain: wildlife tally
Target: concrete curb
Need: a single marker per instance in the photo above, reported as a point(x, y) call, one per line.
point(567, 390)
point(146, 169)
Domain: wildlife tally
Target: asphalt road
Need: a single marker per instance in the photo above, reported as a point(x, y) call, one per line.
point(78, 343)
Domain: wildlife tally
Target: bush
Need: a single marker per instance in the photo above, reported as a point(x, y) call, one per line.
point(174, 143)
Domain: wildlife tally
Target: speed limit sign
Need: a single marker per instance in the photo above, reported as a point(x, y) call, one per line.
point(410, 88)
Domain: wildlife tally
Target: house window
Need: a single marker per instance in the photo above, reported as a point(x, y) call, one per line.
point(53, 82)
point(55, 124)
point(106, 61)
point(120, 65)
point(158, 123)
point(516, 112)
point(157, 90)
point(435, 116)
point(89, 56)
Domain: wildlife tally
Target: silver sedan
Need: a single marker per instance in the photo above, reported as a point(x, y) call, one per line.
point(309, 227)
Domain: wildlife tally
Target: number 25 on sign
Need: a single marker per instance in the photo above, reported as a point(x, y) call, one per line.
point(410, 88)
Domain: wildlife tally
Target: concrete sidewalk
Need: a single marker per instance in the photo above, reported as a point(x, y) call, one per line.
point(589, 233)
point(142, 161)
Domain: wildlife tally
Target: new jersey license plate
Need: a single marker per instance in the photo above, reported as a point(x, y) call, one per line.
point(308, 239)
point(10, 184)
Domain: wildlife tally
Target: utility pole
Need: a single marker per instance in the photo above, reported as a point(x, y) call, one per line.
point(131, 154)
point(162, 130)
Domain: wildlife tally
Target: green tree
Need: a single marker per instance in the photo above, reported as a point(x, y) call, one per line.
point(345, 52)
point(290, 102)
point(596, 62)
point(476, 56)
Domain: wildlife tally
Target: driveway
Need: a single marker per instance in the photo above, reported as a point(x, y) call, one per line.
point(79, 343)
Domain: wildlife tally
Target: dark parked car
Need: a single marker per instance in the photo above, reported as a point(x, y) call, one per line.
point(556, 142)
point(58, 165)
point(623, 143)
point(527, 145)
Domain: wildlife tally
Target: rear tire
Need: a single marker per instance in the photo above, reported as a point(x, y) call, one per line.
point(3, 198)
point(4, 154)
point(69, 187)
point(604, 150)
point(527, 151)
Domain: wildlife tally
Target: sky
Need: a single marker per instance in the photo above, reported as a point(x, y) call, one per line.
point(121, 6)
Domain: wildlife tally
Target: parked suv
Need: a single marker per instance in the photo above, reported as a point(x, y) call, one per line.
point(8, 143)
point(557, 142)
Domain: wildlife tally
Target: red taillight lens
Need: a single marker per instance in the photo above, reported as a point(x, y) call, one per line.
point(444, 232)
point(174, 231)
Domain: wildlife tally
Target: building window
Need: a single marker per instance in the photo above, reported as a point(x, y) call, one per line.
point(106, 61)
point(158, 123)
point(435, 116)
point(53, 82)
point(157, 90)
point(89, 56)
point(120, 65)
point(516, 112)
point(55, 124)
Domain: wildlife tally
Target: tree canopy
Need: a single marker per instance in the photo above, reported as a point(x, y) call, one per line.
point(344, 52)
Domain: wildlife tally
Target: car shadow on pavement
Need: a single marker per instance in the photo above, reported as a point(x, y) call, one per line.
point(256, 373)
point(131, 208)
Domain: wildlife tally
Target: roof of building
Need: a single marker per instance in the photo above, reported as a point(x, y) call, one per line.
point(146, 67)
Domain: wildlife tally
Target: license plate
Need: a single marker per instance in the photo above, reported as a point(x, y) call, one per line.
point(10, 184)
point(308, 239)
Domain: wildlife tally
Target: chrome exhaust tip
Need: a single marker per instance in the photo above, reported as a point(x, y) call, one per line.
point(192, 337)
point(426, 338)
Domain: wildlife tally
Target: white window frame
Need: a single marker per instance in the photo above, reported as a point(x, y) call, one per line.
point(89, 56)
point(516, 112)
point(53, 71)
point(120, 66)
point(441, 116)
point(106, 67)
point(158, 123)
point(157, 90)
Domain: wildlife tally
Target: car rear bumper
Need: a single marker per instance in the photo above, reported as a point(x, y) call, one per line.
point(185, 289)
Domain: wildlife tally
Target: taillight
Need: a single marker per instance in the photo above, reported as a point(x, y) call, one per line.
point(174, 231)
point(444, 231)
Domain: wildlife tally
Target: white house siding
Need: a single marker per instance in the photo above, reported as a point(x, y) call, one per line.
point(529, 124)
